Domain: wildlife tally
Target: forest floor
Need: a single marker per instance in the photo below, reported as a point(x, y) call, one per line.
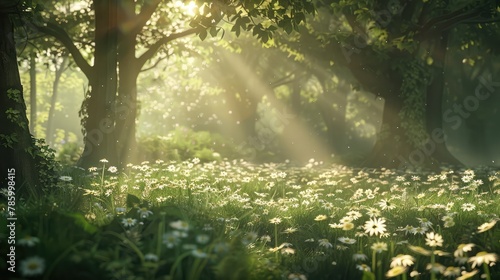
point(236, 220)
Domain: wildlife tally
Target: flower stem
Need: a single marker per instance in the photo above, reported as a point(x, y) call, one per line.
point(487, 271)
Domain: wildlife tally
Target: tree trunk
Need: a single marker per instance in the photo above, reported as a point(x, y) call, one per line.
point(99, 119)
point(126, 105)
point(15, 139)
point(434, 106)
point(33, 93)
point(55, 86)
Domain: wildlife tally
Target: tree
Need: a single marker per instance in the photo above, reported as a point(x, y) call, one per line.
point(109, 115)
point(17, 146)
point(389, 47)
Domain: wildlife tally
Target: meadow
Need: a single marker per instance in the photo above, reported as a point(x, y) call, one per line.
point(236, 220)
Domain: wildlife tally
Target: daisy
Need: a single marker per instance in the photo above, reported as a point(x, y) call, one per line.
point(433, 239)
point(129, 222)
point(112, 169)
point(467, 275)
point(320, 218)
point(402, 260)
point(452, 271)
point(325, 243)
point(486, 226)
point(468, 207)
point(483, 257)
point(420, 250)
point(395, 271)
point(144, 212)
point(347, 226)
point(32, 266)
point(347, 240)
point(151, 257)
point(275, 221)
point(359, 257)
point(180, 225)
point(463, 248)
point(375, 226)
point(379, 247)
point(29, 241)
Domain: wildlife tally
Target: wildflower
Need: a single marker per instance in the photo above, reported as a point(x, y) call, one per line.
point(483, 257)
point(112, 169)
point(249, 238)
point(320, 218)
point(424, 222)
point(151, 257)
point(379, 247)
point(402, 260)
point(221, 247)
point(104, 160)
point(386, 205)
point(144, 212)
point(436, 267)
point(296, 276)
point(120, 210)
point(359, 257)
point(452, 271)
point(197, 253)
point(32, 266)
point(66, 178)
point(129, 222)
point(171, 239)
point(433, 239)
point(28, 241)
point(395, 271)
point(363, 267)
point(287, 251)
point(375, 226)
point(373, 212)
point(202, 238)
point(347, 240)
point(486, 226)
point(180, 225)
point(325, 243)
point(265, 238)
point(467, 275)
point(463, 248)
point(290, 230)
point(275, 221)
point(420, 250)
point(468, 207)
point(347, 226)
point(414, 273)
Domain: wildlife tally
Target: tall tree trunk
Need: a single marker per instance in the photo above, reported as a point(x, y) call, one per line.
point(15, 139)
point(99, 119)
point(53, 100)
point(126, 105)
point(436, 146)
point(33, 93)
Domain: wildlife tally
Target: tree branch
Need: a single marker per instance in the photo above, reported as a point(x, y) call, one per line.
point(60, 34)
point(153, 49)
point(139, 21)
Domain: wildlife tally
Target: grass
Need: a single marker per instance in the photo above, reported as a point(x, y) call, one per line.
point(235, 220)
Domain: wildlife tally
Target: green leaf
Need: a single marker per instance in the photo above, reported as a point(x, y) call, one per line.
point(214, 31)
point(203, 34)
point(367, 275)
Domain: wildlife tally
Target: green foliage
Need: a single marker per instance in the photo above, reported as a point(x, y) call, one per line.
point(69, 153)
point(9, 140)
point(184, 143)
point(45, 163)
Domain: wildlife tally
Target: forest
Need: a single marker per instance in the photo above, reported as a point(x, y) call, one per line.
point(249, 139)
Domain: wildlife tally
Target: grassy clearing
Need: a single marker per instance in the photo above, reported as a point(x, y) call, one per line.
point(235, 220)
